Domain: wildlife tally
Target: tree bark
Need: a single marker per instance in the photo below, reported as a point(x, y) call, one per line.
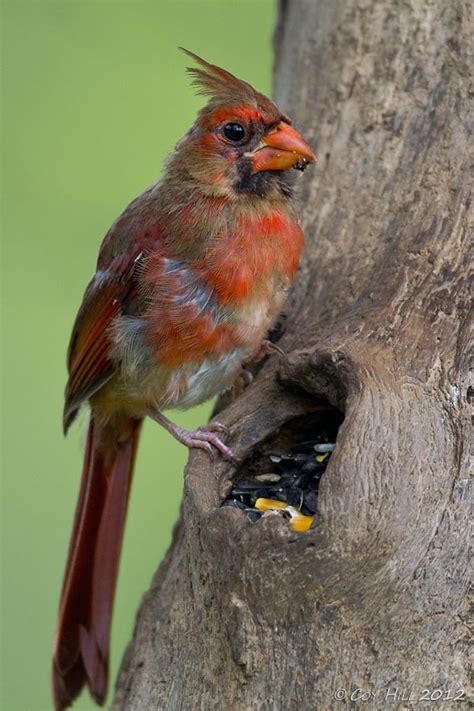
point(254, 616)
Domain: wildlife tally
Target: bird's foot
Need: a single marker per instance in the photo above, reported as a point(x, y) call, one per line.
point(244, 379)
point(203, 437)
point(206, 437)
point(265, 348)
point(214, 426)
point(268, 347)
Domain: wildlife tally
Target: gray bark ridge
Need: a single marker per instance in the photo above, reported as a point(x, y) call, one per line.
point(372, 600)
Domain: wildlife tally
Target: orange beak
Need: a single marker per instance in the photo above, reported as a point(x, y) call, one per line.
point(281, 149)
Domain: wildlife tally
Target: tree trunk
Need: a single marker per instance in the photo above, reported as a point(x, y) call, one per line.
point(248, 615)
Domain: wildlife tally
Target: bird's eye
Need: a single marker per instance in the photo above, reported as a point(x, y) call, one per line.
point(234, 132)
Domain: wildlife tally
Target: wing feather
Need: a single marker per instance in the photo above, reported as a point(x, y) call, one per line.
point(90, 363)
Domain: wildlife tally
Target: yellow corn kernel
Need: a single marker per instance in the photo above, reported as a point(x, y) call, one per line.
point(270, 504)
point(298, 521)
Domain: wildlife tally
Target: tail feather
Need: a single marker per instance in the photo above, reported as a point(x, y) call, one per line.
point(81, 647)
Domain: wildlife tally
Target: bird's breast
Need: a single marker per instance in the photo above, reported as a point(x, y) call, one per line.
point(228, 296)
point(260, 253)
point(205, 316)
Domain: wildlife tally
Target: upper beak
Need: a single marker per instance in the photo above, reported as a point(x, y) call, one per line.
point(281, 149)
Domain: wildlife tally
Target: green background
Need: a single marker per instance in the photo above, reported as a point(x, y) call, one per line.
point(94, 96)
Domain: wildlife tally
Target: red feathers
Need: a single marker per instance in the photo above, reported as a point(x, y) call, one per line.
point(190, 278)
point(225, 90)
point(272, 245)
point(218, 83)
point(90, 363)
point(82, 639)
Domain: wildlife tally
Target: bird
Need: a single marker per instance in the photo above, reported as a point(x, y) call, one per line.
point(189, 280)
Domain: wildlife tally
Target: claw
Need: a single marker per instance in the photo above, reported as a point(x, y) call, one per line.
point(265, 348)
point(196, 444)
point(214, 427)
point(245, 378)
point(270, 347)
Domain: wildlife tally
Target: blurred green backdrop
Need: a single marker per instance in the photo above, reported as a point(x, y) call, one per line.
point(94, 96)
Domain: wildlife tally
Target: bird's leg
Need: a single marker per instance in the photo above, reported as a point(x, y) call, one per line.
point(204, 437)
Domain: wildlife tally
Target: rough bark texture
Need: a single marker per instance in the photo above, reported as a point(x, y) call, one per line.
point(253, 616)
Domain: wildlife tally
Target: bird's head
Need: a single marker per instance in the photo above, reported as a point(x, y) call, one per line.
point(241, 143)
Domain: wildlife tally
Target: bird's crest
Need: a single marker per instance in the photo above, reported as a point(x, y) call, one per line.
point(223, 87)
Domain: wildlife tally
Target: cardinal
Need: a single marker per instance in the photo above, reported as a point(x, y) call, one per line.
point(189, 280)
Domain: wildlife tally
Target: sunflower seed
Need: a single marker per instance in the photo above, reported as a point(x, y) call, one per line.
point(270, 477)
point(325, 447)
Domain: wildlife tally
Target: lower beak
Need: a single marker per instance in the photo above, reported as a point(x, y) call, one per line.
point(281, 149)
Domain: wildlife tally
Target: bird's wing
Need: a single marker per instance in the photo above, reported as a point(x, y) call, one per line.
point(110, 293)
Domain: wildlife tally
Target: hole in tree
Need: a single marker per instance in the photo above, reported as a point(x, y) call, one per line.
point(283, 474)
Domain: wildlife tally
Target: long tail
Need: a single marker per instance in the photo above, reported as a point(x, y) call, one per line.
point(81, 648)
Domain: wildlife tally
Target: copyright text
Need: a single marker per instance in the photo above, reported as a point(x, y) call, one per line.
point(396, 694)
